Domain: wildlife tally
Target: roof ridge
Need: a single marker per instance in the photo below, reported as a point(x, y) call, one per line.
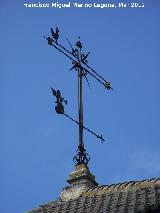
point(121, 184)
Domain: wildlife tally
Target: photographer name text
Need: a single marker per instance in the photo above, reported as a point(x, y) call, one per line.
point(84, 5)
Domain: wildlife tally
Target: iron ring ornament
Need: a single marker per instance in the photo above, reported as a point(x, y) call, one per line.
point(79, 64)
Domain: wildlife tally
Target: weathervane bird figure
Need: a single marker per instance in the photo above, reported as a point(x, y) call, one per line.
point(59, 107)
point(55, 34)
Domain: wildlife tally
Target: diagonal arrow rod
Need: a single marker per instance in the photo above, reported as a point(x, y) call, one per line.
point(100, 81)
point(81, 61)
point(98, 136)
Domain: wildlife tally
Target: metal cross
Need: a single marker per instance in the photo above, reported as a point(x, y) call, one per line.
point(80, 64)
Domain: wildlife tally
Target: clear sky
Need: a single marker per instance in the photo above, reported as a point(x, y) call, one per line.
point(37, 145)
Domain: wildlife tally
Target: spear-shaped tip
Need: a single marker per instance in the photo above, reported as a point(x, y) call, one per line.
point(74, 66)
point(78, 43)
point(101, 138)
point(49, 39)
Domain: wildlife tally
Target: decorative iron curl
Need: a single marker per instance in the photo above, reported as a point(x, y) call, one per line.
point(75, 52)
point(81, 156)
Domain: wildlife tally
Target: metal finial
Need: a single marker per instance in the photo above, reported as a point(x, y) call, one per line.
point(78, 43)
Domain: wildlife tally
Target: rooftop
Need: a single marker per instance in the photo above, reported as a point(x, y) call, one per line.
point(128, 197)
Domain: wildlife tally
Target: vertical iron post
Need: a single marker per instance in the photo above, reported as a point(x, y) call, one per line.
point(81, 156)
point(80, 106)
point(80, 98)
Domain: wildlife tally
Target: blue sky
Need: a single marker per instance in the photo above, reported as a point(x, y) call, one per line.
point(37, 145)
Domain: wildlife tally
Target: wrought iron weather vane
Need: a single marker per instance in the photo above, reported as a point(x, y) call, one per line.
point(80, 64)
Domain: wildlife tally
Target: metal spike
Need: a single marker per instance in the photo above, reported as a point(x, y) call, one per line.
point(74, 66)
